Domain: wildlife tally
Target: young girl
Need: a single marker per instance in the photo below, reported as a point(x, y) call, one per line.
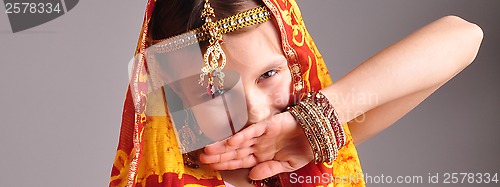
point(287, 137)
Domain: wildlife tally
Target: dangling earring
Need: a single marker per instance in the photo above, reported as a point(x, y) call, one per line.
point(188, 139)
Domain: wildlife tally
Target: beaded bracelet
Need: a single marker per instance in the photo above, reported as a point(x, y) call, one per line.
point(307, 131)
point(331, 114)
point(321, 125)
point(323, 130)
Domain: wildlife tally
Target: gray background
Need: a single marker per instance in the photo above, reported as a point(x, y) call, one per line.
point(62, 87)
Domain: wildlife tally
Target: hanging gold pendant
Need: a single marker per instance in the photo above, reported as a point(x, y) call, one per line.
point(215, 60)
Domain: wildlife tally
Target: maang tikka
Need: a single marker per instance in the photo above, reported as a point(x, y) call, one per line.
point(214, 58)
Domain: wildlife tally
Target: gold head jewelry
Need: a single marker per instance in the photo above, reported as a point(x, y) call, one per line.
point(214, 58)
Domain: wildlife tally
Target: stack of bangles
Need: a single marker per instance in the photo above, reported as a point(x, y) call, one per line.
point(321, 125)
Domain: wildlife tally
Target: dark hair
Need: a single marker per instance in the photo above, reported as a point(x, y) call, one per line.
point(172, 17)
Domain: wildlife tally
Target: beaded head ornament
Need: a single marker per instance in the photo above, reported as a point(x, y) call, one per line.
point(214, 58)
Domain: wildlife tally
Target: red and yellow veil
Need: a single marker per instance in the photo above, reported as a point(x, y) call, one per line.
point(148, 153)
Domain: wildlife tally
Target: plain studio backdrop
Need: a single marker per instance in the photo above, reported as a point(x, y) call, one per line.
point(62, 87)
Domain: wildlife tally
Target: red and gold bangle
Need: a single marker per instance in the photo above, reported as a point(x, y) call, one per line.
point(323, 129)
point(321, 125)
point(332, 115)
point(307, 131)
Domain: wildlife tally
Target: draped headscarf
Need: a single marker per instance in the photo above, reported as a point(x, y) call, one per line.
point(148, 153)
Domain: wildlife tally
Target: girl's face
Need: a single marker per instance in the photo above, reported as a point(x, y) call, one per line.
point(264, 82)
point(258, 57)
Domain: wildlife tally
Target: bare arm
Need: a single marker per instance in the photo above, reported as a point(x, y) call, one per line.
point(391, 83)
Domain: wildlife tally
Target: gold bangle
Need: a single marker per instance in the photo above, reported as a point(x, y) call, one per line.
point(321, 125)
point(325, 130)
point(307, 131)
point(329, 111)
point(316, 130)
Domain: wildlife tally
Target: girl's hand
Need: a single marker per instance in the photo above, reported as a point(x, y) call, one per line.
point(273, 146)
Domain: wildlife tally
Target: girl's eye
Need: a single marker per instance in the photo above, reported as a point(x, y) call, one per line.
point(268, 74)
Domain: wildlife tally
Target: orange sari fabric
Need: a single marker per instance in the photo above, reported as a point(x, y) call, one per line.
point(148, 153)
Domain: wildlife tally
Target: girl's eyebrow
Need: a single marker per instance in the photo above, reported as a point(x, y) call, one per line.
point(273, 63)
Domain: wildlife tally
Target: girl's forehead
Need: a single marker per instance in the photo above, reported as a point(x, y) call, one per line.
point(255, 45)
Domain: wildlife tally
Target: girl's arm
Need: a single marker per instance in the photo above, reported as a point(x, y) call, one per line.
point(391, 83)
